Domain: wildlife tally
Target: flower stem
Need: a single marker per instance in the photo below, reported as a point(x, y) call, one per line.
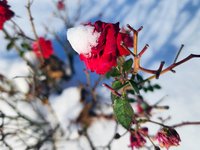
point(113, 90)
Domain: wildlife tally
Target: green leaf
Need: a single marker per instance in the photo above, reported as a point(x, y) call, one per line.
point(131, 100)
point(150, 88)
point(139, 96)
point(156, 86)
point(26, 46)
point(123, 112)
point(131, 92)
point(119, 65)
point(107, 74)
point(134, 86)
point(21, 53)
point(113, 97)
point(9, 46)
point(128, 64)
point(114, 72)
point(145, 89)
point(139, 77)
point(116, 84)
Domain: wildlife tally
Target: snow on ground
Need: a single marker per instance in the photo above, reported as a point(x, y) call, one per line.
point(167, 24)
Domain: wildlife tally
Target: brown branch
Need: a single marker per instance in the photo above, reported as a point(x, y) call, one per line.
point(186, 123)
point(34, 31)
point(171, 67)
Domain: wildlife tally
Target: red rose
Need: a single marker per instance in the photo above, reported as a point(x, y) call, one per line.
point(102, 56)
point(5, 13)
point(46, 45)
point(61, 5)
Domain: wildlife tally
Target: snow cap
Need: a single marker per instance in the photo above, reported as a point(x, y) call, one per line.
point(83, 38)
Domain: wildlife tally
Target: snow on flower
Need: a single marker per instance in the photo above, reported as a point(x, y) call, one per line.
point(99, 44)
point(136, 138)
point(46, 45)
point(83, 38)
point(167, 137)
point(5, 13)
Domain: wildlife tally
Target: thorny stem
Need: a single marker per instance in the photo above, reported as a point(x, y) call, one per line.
point(135, 40)
point(186, 123)
point(162, 72)
point(113, 90)
point(126, 48)
point(160, 107)
point(170, 67)
point(178, 53)
point(166, 96)
point(34, 31)
point(143, 50)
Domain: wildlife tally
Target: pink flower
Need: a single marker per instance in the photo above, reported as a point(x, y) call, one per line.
point(136, 138)
point(103, 52)
point(168, 137)
point(5, 13)
point(61, 5)
point(46, 45)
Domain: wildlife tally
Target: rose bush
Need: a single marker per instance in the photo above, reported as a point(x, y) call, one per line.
point(5, 13)
point(46, 45)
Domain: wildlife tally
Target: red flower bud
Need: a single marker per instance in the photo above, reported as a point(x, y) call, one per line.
point(61, 5)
